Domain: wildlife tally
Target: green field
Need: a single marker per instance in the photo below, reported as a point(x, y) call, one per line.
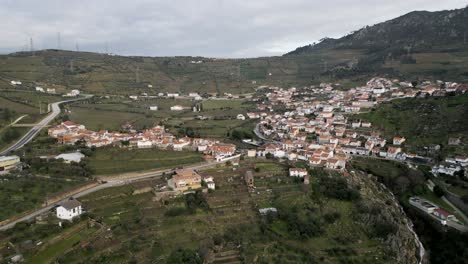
point(102, 74)
point(451, 65)
point(19, 194)
point(113, 160)
point(97, 120)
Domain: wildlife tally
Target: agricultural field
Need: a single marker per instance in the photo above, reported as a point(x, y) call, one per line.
point(19, 194)
point(452, 65)
point(137, 227)
point(96, 120)
point(106, 161)
point(112, 113)
point(102, 74)
point(423, 122)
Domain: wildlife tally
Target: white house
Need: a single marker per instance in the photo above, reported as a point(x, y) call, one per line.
point(251, 153)
point(51, 90)
point(71, 157)
point(297, 172)
point(177, 108)
point(210, 183)
point(153, 108)
point(144, 144)
point(39, 89)
point(69, 209)
point(398, 140)
point(240, 117)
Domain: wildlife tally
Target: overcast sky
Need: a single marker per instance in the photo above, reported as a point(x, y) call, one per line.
point(212, 28)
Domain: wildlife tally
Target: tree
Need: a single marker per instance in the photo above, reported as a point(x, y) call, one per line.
point(184, 256)
point(6, 114)
point(465, 198)
point(438, 191)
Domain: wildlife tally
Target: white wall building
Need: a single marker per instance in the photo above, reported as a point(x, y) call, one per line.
point(69, 209)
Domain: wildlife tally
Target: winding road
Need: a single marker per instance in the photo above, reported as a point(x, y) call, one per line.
point(37, 128)
point(107, 183)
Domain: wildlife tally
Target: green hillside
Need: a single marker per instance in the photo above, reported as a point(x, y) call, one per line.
point(424, 122)
point(100, 74)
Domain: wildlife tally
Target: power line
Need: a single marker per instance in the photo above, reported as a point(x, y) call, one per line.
point(137, 74)
point(59, 44)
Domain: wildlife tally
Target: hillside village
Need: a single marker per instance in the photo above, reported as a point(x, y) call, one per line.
point(320, 131)
point(69, 133)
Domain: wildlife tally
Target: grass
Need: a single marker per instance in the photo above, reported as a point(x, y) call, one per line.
point(458, 190)
point(62, 243)
point(20, 132)
point(95, 119)
point(450, 66)
point(113, 160)
point(19, 194)
point(102, 74)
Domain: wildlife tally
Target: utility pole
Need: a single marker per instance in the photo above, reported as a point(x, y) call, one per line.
point(71, 65)
point(40, 107)
point(31, 45)
point(77, 47)
point(59, 44)
point(137, 74)
point(408, 50)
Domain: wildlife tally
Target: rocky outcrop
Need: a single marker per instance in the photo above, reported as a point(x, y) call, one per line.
point(383, 218)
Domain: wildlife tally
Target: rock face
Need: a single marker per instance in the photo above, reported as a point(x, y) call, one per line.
point(419, 30)
point(380, 214)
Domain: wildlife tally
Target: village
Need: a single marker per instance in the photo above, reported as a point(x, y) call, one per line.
point(321, 133)
point(299, 130)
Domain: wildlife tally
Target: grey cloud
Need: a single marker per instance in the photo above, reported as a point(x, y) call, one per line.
point(214, 28)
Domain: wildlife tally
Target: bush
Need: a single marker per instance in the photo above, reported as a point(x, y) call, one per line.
point(337, 188)
point(184, 256)
point(196, 201)
point(438, 191)
point(176, 211)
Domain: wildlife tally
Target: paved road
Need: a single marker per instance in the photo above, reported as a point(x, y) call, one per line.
point(110, 183)
point(35, 130)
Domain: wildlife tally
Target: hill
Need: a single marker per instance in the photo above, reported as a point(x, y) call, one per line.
point(418, 44)
point(101, 73)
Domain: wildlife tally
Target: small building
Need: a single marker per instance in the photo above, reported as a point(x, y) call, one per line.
point(69, 209)
point(71, 157)
point(177, 108)
point(267, 211)
point(9, 163)
point(249, 179)
point(423, 204)
point(240, 117)
point(397, 141)
point(51, 90)
point(251, 153)
point(443, 215)
point(186, 179)
point(297, 172)
point(153, 108)
point(210, 183)
point(307, 179)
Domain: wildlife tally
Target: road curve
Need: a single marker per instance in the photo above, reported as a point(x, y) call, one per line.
point(111, 183)
point(35, 130)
